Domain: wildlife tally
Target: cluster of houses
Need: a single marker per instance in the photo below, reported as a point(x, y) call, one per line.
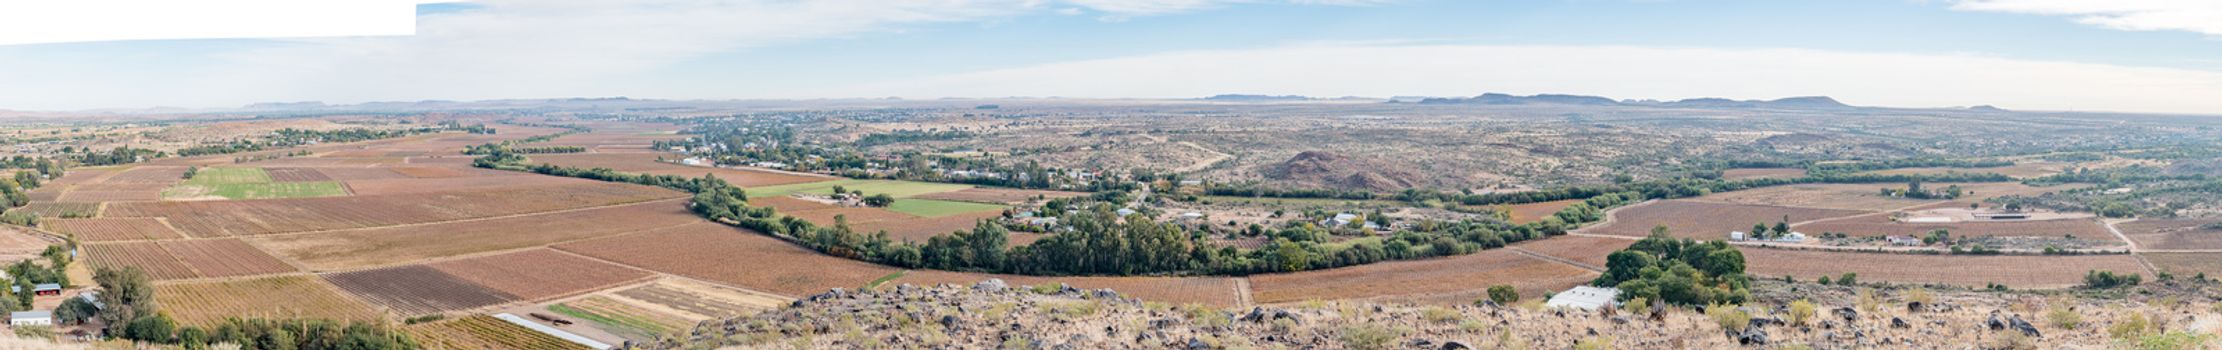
point(44, 318)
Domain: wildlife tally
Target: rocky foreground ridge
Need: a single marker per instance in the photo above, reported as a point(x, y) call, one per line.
point(991, 314)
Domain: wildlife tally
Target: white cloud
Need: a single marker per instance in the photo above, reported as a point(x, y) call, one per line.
point(1156, 7)
point(1621, 72)
point(2197, 16)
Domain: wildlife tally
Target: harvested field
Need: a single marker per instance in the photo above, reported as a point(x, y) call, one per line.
point(1880, 225)
point(45, 194)
point(416, 290)
point(112, 229)
point(81, 176)
point(451, 184)
point(225, 258)
point(786, 204)
point(1704, 220)
point(330, 162)
point(109, 196)
point(60, 209)
point(120, 187)
point(934, 208)
point(18, 243)
point(1585, 250)
point(2172, 233)
point(645, 163)
point(255, 190)
point(1213, 291)
point(732, 256)
point(1454, 280)
point(1763, 173)
point(997, 195)
point(350, 174)
point(2186, 264)
point(1826, 196)
point(425, 172)
point(297, 175)
point(2017, 271)
point(440, 160)
point(208, 303)
point(698, 301)
point(1533, 212)
point(486, 332)
point(149, 174)
point(540, 274)
point(918, 230)
point(340, 250)
point(235, 218)
point(147, 256)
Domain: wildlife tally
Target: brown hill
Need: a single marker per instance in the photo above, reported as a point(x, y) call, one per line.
point(1333, 170)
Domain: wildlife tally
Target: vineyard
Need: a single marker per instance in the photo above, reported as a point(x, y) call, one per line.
point(1586, 250)
point(702, 301)
point(207, 303)
point(2173, 233)
point(59, 209)
point(157, 262)
point(149, 175)
point(1879, 225)
point(416, 290)
point(112, 229)
point(296, 175)
point(339, 250)
point(633, 322)
point(2017, 271)
point(1458, 279)
point(486, 332)
point(733, 256)
point(997, 195)
point(2187, 264)
point(645, 163)
point(1864, 197)
point(540, 274)
point(235, 218)
point(225, 258)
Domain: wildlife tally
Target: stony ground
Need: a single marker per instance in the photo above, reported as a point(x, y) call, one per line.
point(991, 314)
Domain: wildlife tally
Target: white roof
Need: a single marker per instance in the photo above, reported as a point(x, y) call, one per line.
point(24, 315)
point(1584, 298)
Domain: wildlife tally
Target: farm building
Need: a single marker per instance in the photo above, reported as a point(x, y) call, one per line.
point(1903, 240)
point(1793, 237)
point(47, 289)
point(1736, 235)
point(30, 318)
point(2002, 216)
point(1584, 298)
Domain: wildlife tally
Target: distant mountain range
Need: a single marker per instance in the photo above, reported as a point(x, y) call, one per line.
point(1806, 102)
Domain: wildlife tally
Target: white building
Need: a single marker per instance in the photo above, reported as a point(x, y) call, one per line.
point(30, 318)
point(1736, 235)
point(1584, 298)
point(1793, 237)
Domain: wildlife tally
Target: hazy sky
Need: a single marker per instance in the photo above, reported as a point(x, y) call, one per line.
point(2114, 55)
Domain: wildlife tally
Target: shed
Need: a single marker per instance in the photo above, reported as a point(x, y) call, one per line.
point(1903, 240)
point(1735, 235)
point(1585, 298)
point(47, 289)
point(30, 318)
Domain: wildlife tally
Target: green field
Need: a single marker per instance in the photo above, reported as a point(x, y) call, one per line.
point(936, 208)
point(899, 189)
point(212, 176)
point(248, 183)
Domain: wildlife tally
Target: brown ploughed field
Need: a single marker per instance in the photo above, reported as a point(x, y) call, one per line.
point(255, 217)
point(112, 229)
point(997, 195)
point(1880, 225)
point(347, 249)
point(540, 274)
point(732, 256)
point(1586, 250)
point(2017, 271)
point(2172, 233)
point(1705, 220)
point(225, 258)
point(416, 290)
point(1454, 280)
point(147, 256)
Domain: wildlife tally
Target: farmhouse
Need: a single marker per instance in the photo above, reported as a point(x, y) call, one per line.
point(2002, 216)
point(1736, 235)
point(1584, 298)
point(1903, 240)
point(30, 318)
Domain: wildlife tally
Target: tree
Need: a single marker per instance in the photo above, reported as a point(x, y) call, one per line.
point(153, 329)
point(879, 200)
point(74, 311)
point(1503, 294)
point(127, 295)
point(1848, 279)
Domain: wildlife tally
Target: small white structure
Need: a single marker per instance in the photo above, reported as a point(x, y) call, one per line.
point(1736, 235)
point(30, 318)
point(1793, 237)
point(1124, 212)
point(1904, 240)
point(558, 333)
point(1585, 298)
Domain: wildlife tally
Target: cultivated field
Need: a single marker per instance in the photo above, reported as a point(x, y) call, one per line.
point(486, 332)
point(416, 290)
point(897, 189)
point(235, 218)
point(207, 303)
point(148, 174)
point(1704, 220)
point(1005, 196)
point(919, 230)
point(1586, 250)
point(1880, 225)
point(225, 258)
point(2017, 271)
point(540, 274)
point(2172, 233)
point(2185, 265)
point(938, 208)
point(347, 249)
point(2019, 170)
point(17, 243)
point(1865, 197)
point(59, 209)
point(1213, 291)
point(350, 174)
point(112, 229)
point(109, 196)
point(1449, 280)
point(296, 175)
point(733, 256)
point(157, 262)
point(630, 320)
point(468, 183)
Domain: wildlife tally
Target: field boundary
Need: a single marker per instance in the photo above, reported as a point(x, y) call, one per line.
point(1546, 257)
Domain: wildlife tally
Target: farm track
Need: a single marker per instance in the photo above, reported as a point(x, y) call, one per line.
point(1555, 259)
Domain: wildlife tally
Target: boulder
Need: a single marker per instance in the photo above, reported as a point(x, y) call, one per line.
point(1899, 323)
point(1454, 345)
point(2026, 329)
point(1848, 313)
point(991, 285)
point(1752, 336)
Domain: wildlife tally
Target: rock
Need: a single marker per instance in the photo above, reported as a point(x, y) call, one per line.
point(951, 322)
point(1454, 345)
point(1752, 336)
point(1106, 294)
point(1198, 344)
point(991, 285)
point(1994, 323)
point(1159, 324)
point(1489, 304)
point(2026, 329)
point(1421, 343)
point(1848, 313)
point(1914, 307)
point(1896, 322)
point(1620, 320)
point(1763, 322)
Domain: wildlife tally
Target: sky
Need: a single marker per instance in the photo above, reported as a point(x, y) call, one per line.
point(2157, 56)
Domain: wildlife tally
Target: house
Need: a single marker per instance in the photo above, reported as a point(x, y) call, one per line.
point(30, 318)
point(1903, 240)
point(1339, 220)
point(1792, 237)
point(1585, 298)
point(1736, 235)
point(47, 289)
point(1191, 216)
point(1043, 223)
point(1124, 212)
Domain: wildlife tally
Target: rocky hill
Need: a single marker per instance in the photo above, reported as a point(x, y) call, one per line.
point(1328, 169)
point(991, 314)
